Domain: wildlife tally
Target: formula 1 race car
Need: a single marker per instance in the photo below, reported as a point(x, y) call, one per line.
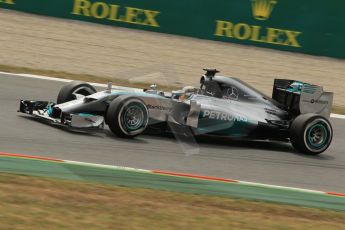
point(222, 106)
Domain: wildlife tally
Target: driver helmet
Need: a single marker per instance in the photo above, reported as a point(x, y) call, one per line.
point(187, 91)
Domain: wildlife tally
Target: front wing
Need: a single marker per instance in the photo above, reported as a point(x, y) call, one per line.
point(45, 111)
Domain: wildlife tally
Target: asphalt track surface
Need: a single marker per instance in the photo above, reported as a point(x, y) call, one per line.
point(262, 162)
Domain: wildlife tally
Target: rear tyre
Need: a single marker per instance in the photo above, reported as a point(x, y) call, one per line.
point(69, 91)
point(311, 134)
point(127, 116)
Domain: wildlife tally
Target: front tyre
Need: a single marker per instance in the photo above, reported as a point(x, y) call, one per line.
point(311, 134)
point(127, 116)
point(69, 91)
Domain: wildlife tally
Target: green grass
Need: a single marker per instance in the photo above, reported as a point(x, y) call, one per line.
point(99, 79)
point(40, 203)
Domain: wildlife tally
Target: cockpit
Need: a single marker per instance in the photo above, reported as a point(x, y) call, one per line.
point(229, 88)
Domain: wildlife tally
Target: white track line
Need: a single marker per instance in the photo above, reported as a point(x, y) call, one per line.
point(333, 115)
point(107, 166)
point(66, 80)
point(196, 177)
point(339, 116)
point(281, 187)
point(36, 76)
point(237, 182)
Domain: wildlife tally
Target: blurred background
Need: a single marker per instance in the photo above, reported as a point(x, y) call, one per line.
point(60, 47)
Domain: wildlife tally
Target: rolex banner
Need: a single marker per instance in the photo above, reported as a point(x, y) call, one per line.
point(308, 26)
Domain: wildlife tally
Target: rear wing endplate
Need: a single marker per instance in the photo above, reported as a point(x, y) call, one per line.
point(315, 100)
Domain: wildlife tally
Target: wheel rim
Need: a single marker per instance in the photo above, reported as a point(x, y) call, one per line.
point(318, 135)
point(133, 118)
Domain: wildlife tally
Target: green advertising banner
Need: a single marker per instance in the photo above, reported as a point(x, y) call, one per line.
point(308, 26)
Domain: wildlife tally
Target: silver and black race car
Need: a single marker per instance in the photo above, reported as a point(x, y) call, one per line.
point(298, 112)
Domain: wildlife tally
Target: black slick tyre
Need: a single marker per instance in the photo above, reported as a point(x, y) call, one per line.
point(69, 91)
point(311, 134)
point(127, 116)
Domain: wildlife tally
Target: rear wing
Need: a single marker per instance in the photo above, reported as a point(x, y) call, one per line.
point(299, 98)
